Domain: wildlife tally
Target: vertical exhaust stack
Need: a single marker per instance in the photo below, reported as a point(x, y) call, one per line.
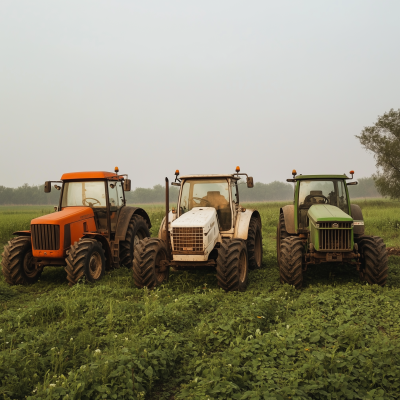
point(167, 208)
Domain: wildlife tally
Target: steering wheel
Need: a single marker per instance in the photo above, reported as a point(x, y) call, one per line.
point(89, 204)
point(200, 199)
point(308, 198)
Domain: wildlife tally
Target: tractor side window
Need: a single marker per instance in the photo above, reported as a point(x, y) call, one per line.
point(113, 197)
point(87, 194)
point(120, 194)
point(342, 197)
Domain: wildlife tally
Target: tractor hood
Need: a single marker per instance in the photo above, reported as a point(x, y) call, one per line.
point(326, 212)
point(201, 217)
point(66, 216)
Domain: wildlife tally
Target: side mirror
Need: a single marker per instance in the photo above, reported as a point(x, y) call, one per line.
point(250, 182)
point(47, 187)
point(127, 185)
point(352, 183)
point(175, 183)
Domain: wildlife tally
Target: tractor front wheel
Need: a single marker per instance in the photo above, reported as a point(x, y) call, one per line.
point(232, 265)
point(374, 261)
point(85, 259)
point(18, 265)
point(150, 265)
point(291, 261)
point(137, 230)
point(254, 244)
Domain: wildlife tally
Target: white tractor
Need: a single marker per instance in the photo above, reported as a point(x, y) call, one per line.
point(208, 228)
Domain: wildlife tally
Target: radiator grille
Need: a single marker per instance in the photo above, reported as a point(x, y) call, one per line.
point(45, 237)
point(187, 239)
point(335, 239)
point(341, 225)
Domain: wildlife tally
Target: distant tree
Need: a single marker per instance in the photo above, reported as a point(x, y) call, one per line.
point(383, 139)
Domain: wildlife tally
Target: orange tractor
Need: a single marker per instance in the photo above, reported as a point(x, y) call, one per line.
point(91, 230)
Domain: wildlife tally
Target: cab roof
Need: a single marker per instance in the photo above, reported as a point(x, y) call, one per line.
point(301, 177)
point(70, 176)
point(210, 176)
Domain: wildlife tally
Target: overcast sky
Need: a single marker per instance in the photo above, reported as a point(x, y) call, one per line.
point(202, 86)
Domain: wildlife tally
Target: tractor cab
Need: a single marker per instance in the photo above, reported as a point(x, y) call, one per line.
point(313, 190)
point(102, 192)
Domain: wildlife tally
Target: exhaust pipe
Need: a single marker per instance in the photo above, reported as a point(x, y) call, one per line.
point(167, 208)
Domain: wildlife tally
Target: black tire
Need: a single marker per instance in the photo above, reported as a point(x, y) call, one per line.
point(281, 234)
point(291, 261)
point(254, 244)
point(146, 266)
point(18, 268)
point(85, 259)
point(232, 265)
point(137, 231)
point(374, 260)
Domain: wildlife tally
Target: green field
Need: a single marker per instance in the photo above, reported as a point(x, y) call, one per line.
point(335, 339)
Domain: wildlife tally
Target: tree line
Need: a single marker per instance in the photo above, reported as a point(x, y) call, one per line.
point(274, 191)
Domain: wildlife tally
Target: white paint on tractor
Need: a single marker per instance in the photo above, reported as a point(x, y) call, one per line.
point(199, 217)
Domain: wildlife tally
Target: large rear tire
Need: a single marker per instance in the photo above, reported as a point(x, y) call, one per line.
point(374, 261)
point(149, 264)
point(137, 231)
point(18, 266)
point(254, 244)
point(232, 265)
point(281, 234)
point(85, 259)
point(291, 261)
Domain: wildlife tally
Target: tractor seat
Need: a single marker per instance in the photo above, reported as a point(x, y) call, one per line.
point(216, 199)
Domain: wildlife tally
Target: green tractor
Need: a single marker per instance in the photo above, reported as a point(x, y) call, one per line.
point(322, 226)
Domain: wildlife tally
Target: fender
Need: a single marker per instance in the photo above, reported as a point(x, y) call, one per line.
point(243, 222)
point(161, 232)
point(288, 213)
point(105, 244)
point(22, 233)
point(125, 216)
point(358, 219)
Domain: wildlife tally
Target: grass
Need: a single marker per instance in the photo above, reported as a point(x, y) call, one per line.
point(335, 339)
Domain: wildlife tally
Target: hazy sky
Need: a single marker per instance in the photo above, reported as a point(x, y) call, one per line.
point(203, 86)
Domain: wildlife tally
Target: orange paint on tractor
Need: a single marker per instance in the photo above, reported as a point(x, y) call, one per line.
point(76, 218)
point(70, 176)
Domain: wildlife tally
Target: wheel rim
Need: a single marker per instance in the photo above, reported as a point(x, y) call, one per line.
point(29, 266)
point(242, 267)
point(95, 265)
point(258, 249)
point(160, 275)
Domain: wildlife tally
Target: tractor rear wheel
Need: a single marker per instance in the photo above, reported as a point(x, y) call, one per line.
point(150, 265)
point(17, 263)
point(232, 265)
point(137, 230)
point(85, 259)
point(281, 234)
point(291, 261)
point(254, 244)
point(374, 261)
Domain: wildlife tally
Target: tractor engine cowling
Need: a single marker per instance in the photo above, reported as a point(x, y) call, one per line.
point(331, 229)
point(194, 234)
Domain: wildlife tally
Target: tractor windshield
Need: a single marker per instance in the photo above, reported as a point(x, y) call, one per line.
point(88, 194)
point(208, 193)
point(321, 191)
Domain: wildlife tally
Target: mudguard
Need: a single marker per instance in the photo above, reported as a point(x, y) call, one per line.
point(124, 218)
point(243, 222)
point(22, 233)
point(358, 219)
point(288, 213)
